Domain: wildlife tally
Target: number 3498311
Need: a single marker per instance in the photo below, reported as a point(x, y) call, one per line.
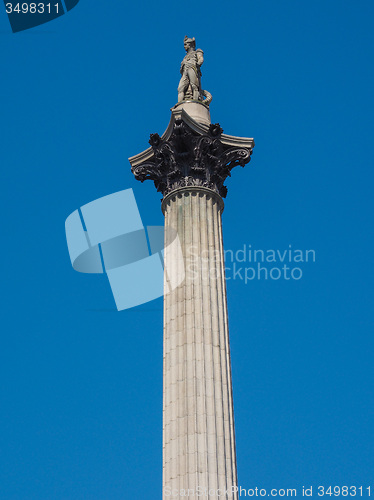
point(32, 8)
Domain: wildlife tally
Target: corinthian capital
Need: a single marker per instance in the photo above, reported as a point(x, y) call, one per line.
point(191, 154)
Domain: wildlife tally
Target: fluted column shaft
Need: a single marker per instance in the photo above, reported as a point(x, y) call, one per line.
point(198, 422)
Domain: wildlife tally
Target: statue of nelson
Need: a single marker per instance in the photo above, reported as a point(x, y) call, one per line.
point(190, 83)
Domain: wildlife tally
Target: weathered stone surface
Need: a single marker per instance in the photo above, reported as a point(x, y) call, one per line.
point(198, 423)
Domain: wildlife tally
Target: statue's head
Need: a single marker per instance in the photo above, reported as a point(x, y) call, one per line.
point(189, 42)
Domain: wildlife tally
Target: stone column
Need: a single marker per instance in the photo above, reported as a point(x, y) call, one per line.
point(198, 421)
point(189, 165)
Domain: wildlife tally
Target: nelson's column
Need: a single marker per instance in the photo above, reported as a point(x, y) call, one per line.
point(189, 164)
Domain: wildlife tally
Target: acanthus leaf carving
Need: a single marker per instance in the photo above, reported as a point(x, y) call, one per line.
point(191, 159)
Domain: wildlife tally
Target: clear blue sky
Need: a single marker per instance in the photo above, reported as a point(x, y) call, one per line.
point(81, 384)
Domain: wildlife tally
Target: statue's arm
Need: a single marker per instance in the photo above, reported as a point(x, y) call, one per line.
point(200, 57)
